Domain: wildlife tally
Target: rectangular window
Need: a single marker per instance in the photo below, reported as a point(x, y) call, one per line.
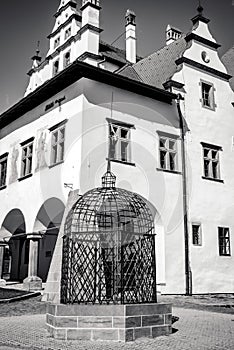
point(26, 160)
point(57, 144)
point(56, 42)
point(55, 68)
point(211, 161)
point(196, 234)
point(119, 142)
point(67, 59)
point(224, 241)
point(168, 153)
point(67, 33)
point(3, 170)
point(207, 95)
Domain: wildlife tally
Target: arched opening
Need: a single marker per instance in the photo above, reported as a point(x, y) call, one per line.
point(48, 222)
point(13, 231)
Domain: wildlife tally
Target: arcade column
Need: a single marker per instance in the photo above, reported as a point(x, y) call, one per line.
point(33, 282)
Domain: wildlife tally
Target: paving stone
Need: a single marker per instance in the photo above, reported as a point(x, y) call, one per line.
point(196, 330)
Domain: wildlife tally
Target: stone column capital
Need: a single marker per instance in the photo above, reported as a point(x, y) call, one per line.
point(34, 236)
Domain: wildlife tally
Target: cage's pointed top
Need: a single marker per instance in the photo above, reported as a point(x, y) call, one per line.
point(108, 179)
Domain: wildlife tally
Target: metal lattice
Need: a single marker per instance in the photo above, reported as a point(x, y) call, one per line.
point(109, 248)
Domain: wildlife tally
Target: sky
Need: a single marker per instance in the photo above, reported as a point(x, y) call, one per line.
point(23, 23)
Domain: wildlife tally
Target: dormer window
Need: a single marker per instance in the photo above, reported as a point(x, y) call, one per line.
point(56, 42)
point(67, 33)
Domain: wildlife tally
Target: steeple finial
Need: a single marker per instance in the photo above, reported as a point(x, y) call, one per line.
point(38, 48)
point(200, 8)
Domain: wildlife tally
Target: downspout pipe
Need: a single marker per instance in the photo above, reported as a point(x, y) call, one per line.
point(188, 273)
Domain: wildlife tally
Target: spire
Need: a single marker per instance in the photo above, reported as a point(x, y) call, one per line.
point(199, 16)
point(36, 58)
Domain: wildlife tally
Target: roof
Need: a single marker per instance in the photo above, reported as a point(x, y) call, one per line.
point(158, 67)
point(73, 73)
point(228, 61)
point(114, 53)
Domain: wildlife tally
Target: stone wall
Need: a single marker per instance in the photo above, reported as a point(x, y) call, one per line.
point(108, 322)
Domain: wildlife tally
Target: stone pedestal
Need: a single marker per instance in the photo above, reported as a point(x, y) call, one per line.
point(122, 323)
point(33, 282)
point(2, 246)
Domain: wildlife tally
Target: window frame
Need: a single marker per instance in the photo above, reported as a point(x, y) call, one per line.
point(26, 159)
point(55, 67)
point(66, 62)
point(57, 157)
point(210, 98)
point(198, 241)
point(116, 127)
point(166, 138)
point(3, 170)
point(209, 171)
point(56, 42)
point(67, 33)
point(225, 247)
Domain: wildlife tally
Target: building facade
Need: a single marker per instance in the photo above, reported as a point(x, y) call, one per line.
point(164, 123)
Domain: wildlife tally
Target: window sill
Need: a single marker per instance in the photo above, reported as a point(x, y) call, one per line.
point(25, 177)
point(225, 255)
point(209, 108)
point(53, 165)
point(120, 161)
point(3, 187)
point(212, 179)
point(170, 171)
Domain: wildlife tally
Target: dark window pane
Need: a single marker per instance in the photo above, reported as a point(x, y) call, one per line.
point(163, 159)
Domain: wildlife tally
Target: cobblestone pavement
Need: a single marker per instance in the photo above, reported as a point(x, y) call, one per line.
point(196, 330)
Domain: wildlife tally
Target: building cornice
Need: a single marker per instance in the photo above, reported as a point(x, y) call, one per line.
point(89, 27)
point(70, 75)
point(200, 18)
point(89, 55)
point(200, 39)
point(172, 83)
point(90, 4)
point(200, 66)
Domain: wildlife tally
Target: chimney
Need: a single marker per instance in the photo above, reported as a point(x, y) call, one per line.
point(90, 30)
point(130, 36)
point(172, 34)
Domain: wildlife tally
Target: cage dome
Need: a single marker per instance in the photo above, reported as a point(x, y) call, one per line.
point(109, 209)
point(109, 248)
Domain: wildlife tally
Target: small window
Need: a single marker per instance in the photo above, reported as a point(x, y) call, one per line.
point(168, 153)
point(55, 68)
point(56, 42)
point(224, 241)
point(67, 33)
point(119, 143)
point(66, 59)
point(211, 162)
point(207, 95)
point(196, 234)
point(3, 170)
point(57, 145)
point(26, 160)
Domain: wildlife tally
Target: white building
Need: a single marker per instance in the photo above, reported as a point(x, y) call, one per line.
point(88, 101)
